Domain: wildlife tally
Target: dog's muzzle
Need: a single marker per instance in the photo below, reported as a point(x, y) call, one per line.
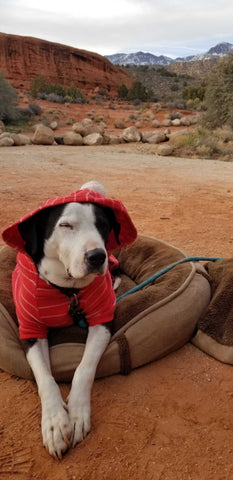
point(95, 259)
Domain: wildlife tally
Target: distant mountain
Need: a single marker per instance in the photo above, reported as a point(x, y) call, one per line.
point(141, 58)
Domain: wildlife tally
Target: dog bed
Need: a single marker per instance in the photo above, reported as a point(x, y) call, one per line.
point(148, 324)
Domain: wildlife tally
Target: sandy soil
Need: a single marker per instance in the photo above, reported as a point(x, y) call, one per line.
point(168, 420)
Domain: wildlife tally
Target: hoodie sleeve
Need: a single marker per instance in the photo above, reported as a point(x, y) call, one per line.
point(24, 293)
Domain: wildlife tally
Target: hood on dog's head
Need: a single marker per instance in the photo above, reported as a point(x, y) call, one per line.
point(123, 230)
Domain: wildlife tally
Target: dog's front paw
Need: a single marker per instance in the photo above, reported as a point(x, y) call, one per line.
point(80, 417)
point(57, 430)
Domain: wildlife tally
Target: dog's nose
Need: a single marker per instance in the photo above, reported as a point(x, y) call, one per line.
point(96, 257)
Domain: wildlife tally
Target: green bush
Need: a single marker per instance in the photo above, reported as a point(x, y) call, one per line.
point(219, 95)
point(8, 102)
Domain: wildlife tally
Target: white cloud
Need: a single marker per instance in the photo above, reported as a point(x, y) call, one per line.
point(171, 27)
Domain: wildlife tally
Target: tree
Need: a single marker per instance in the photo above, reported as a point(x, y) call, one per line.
point(123, 92)
point(219, 95)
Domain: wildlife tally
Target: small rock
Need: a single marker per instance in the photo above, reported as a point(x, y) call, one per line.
point(164, 150)
point(93, 139)
point(43, 136)
point(131, 134)
point(72, 138)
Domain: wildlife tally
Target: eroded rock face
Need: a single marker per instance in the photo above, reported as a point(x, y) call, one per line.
point(23, 58)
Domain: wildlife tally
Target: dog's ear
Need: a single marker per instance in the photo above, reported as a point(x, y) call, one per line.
point(35, 230)
point(114, 224)
point(32, 231)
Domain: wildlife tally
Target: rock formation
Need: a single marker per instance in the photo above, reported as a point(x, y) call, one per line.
point(23, 58)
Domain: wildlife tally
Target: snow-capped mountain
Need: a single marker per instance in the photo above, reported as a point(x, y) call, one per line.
point(141, 58)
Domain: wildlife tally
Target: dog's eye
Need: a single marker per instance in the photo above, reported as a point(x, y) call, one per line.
point(66, 225)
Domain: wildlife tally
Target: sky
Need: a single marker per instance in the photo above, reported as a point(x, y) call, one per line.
point(169, 27)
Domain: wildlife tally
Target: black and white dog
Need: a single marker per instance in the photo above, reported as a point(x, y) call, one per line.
point(71, 255)
point(68, 246)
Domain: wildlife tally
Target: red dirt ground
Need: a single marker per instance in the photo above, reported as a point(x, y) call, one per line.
point(172, 419)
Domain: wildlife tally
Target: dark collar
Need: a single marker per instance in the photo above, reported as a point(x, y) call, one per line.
point(69, 292)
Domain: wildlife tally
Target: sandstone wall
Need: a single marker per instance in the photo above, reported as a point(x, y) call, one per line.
point(22, 58)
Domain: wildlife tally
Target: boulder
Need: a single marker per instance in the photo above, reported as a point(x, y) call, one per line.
point(20, 139)
point(156, 138)
point(72, 138)
point(93, 139)
point(131, 134)
point(43, 136)
point(6, 142)
point(53, 125)
point(106, 139)
point(166, 122)
point(119, 124)
point(155, 123)
point(176, 122)
point(78, 128)
point(114, 139)
point(2, 127)
point(87, 122)
point(4, 134)
point(92, 129)
point(164, 150)
point(185, 122)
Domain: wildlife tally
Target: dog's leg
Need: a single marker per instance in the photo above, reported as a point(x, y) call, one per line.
point(79, 401)
point(56, 426)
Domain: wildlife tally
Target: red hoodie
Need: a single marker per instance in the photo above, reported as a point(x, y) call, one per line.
point(39, 305)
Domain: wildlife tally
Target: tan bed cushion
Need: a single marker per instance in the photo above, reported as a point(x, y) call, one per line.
point(148, 324)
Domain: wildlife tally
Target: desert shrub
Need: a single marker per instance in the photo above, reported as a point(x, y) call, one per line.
point(8, 102)
point(192, 92)
point(44, 90)
point(35, 108)
point(219, 95)
point(39, 85)
point(74, 93)
point(24, 113)
point(174, 116)
point(123, 92)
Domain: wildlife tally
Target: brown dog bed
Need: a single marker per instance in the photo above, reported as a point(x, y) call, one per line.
point(147, 325)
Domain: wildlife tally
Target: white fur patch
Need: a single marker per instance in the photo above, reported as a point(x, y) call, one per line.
point(75, 234)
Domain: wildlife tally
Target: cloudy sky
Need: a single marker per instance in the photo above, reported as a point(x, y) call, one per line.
point(169, 27)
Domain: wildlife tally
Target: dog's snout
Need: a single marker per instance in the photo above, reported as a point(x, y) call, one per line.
point(96, 257)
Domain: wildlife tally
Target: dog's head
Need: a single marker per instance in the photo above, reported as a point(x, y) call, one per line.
point(74, 235)
point(69, 238)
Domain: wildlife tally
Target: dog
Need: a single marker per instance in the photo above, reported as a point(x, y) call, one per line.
point(64, 252)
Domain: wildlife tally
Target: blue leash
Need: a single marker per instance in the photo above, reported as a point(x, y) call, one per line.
point(165, 270)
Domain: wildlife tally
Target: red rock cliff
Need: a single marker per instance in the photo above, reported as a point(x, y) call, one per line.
point(22, 58)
